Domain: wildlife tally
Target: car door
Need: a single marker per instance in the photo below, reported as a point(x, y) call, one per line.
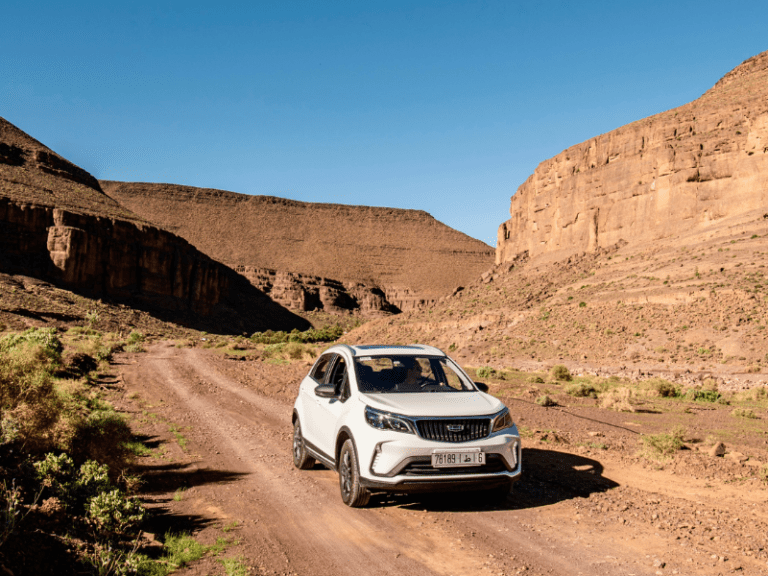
point(312, 415)
point(329, 410)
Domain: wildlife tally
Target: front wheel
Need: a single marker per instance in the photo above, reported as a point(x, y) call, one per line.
point(301, 459)
point(353, 494)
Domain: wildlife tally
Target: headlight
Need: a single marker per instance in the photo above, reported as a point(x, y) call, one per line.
point(387, 421)
point(501, 421)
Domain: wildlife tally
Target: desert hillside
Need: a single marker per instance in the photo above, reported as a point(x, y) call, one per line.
point(407, 253)
point(57, 225)
point(690, 169)
point(642, 251)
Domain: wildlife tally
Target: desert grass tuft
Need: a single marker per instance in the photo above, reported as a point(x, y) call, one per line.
point(744, 413)
point(619, 399)
point(664, 444)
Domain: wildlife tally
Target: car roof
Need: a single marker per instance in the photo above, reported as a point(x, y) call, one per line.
point(390, 350)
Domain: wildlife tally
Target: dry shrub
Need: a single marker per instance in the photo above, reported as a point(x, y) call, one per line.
point(560, 372)
point(288, 351)
point(757, 394)
point(581, 390)
point(28, 399)
point(619, 399)
point(710, 384)
point(664, 444)
point(665, 388)
point(545, 401)
point(744, 413)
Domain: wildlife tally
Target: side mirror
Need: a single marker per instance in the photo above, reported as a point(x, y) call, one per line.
point(325, 391)
point(482, 386)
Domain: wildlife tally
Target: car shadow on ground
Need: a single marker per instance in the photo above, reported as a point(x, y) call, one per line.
point(548, 477)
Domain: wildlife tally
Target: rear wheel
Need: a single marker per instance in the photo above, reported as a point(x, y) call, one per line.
point(301, 459)
point(353, 494)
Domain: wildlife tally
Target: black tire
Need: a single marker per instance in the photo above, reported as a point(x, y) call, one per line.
point(301, 459)
point(353, 494)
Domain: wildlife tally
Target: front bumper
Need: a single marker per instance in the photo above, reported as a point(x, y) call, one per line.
point(403, 463)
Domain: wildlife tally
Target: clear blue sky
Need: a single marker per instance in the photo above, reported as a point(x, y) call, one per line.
point(441, 106)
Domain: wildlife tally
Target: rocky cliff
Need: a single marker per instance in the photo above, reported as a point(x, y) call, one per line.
point(56, 224)
point(406, 254)
point(691, 168)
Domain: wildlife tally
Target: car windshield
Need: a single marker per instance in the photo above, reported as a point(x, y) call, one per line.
point(396, 374)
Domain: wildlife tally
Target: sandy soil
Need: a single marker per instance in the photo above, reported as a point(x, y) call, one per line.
point(221, 437)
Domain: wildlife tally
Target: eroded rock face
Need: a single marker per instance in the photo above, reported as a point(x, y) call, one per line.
point(305, 293)
point(688, 168)
point(136, 264)
point(57, 225)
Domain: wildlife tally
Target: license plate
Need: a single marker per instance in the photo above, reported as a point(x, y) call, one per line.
point(454, 458)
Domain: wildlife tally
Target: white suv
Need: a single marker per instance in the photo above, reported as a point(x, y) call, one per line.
point(402, 419)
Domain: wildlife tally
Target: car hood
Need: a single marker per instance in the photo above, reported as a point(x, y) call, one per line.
point(434, 404)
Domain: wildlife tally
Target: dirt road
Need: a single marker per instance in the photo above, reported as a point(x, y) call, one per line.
point(221, 433)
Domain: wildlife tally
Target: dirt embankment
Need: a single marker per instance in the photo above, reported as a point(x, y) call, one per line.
point(587, 504)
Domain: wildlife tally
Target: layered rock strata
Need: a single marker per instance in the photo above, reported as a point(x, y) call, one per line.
point(306, 293)
point(685, 169)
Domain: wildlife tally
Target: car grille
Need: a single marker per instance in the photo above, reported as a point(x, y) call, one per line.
point(447, 430)
point(423, 467)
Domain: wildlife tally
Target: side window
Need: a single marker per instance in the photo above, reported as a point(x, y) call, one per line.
point(339, 375)
point(318, 373)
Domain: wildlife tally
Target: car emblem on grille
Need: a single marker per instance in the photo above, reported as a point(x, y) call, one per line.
point(455, 427)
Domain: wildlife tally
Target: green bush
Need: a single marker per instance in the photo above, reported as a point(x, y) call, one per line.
point(327, 334)
point(114, 513)
point(46, 339)
point(486, 372)
point(702, 395)
point(28, 399)
point(560, 372)
point(135, 342)
point(59, 476)
point(92, 480)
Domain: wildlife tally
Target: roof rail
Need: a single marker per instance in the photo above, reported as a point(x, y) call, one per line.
point(429, 349)
point(348, 348)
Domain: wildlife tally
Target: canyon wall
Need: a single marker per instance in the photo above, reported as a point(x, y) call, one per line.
point(689, 168)
point(57, 225)
point(407, 254)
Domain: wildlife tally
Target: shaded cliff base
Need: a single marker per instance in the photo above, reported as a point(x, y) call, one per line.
point(687, 309)
point(28, 302)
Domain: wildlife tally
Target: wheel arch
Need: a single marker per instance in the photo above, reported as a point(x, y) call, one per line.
point(344, 435)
